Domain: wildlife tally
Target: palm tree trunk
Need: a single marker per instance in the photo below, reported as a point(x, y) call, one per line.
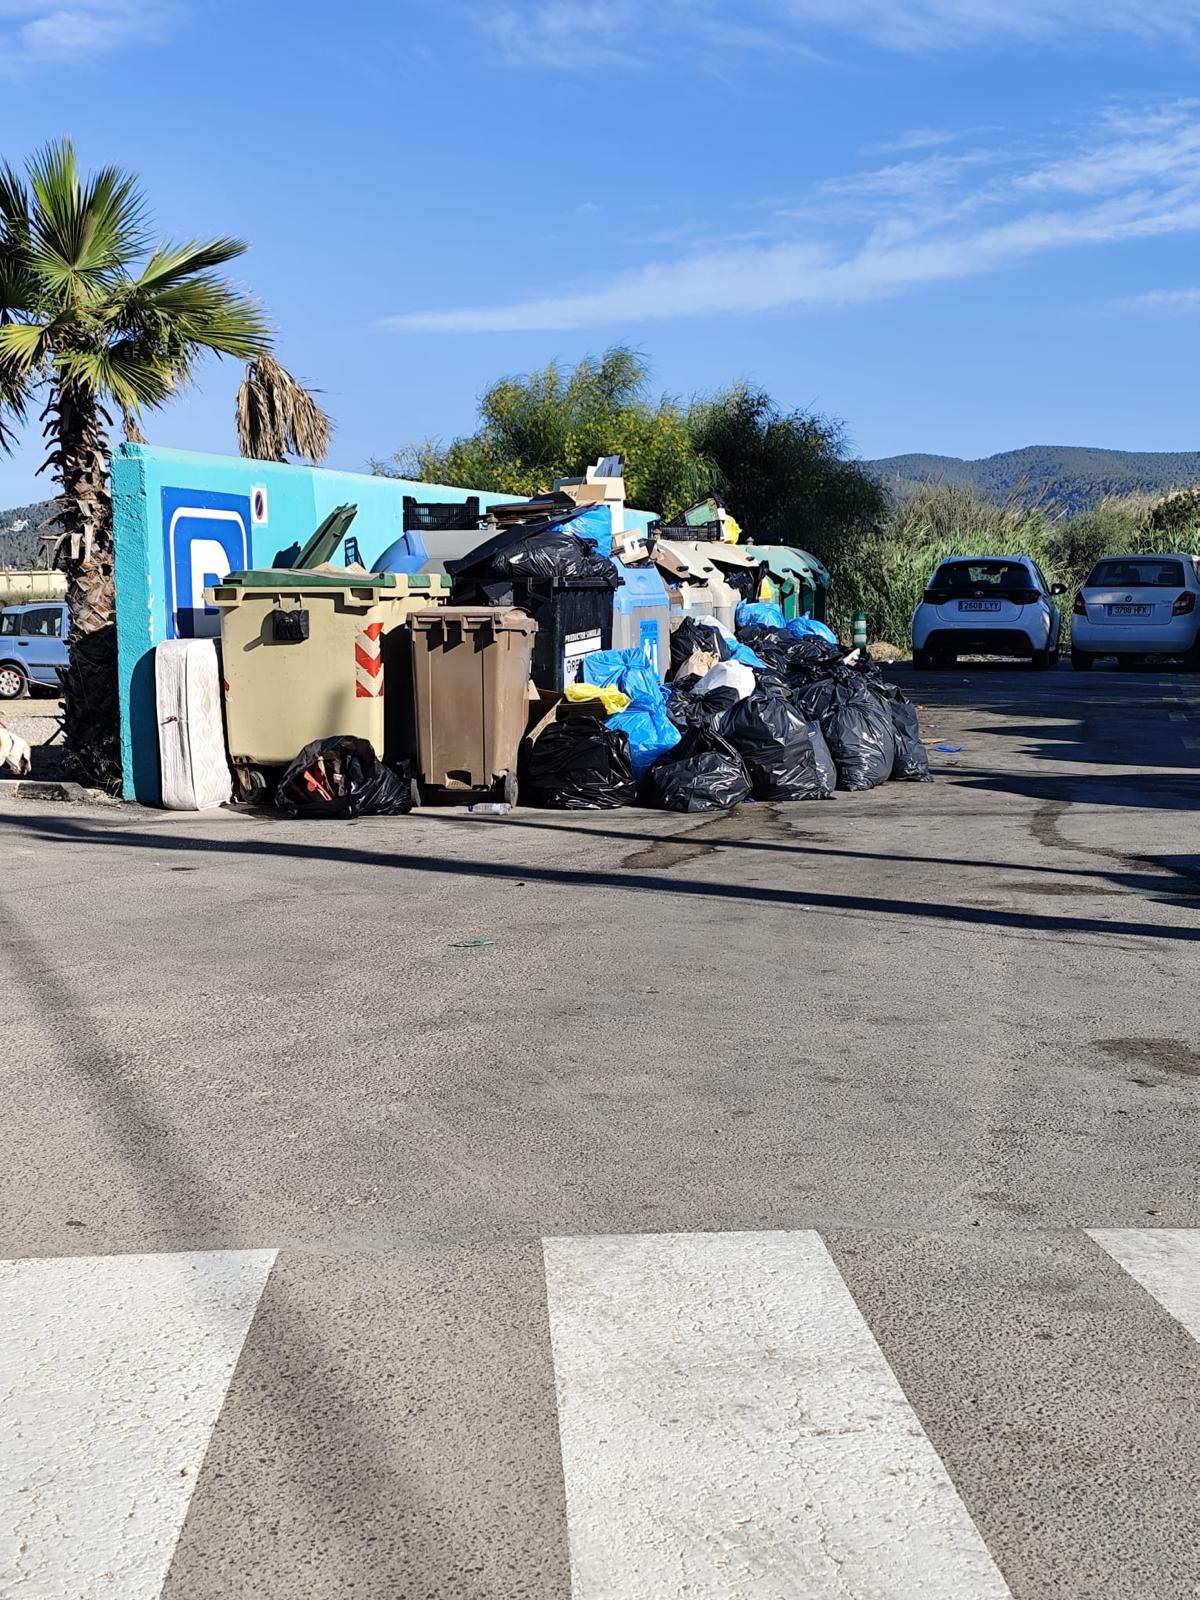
point(74, 429)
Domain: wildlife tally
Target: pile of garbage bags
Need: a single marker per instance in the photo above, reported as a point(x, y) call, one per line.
point(776, 712)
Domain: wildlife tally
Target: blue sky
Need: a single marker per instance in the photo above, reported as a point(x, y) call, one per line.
point(959, 225)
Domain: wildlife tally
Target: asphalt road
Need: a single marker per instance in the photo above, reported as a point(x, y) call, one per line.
point(801, 1203)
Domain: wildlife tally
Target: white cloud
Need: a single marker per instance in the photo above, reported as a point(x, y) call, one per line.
point(628, 34)
point(35, 32)
point(1164, 300)
point(888, 230)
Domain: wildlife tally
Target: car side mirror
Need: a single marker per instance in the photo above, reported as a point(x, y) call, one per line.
point(1058, 588)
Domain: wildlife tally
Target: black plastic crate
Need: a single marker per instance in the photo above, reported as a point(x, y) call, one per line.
point(706, 532)
point(439, 516)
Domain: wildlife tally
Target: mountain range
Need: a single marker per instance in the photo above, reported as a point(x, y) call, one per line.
point(21, 535)
point(1065, 479)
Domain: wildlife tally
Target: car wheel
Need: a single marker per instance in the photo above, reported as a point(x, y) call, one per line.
point(921, 661)
point(1081, 661)
point(1040, 660)
point(13, 682)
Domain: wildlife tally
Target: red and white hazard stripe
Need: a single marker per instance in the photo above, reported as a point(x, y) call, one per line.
point(368, 662)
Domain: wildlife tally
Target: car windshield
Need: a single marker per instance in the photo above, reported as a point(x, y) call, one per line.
point(1136, 572)
point(996, 577)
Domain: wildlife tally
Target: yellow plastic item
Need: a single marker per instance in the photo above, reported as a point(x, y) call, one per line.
point(610, 697)
point(732, 530)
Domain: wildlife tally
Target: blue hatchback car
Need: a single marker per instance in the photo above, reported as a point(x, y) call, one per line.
point(33, 645)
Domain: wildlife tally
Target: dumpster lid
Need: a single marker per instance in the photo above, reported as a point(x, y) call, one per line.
point(698, 567)
point(302, 578)
point(508, 619)
point(789, 558)
point(643, 586)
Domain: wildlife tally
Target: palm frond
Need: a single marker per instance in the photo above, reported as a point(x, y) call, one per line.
point(120, 370)
point(22, 348)
point(81, 233)
point(171, 263)
point(203, 310)
point(277, 416)
point(14, 204)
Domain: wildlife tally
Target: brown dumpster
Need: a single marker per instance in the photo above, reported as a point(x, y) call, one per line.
point(470, 668)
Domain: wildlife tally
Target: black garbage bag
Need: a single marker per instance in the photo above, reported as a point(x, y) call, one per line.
point(771, 681)
point(811, 647)
point(773, 740)
point(333, 779)
point(912, 763)
point(693, 633)
point(581, 764)
point(687, 709)
point(537, 551)
point(771, 645)
point(702, 773)
point(815, 697)
point(858, 730)
point(823, 756)
point(554, 556)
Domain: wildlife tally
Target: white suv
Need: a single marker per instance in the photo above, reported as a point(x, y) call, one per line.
point(987, 606)
point(1137, 606)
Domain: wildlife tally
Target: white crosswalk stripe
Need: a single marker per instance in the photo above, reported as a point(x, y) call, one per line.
point(729, 1425)
point(1165, 1261)
point(730, 1428)
point(113, 1370)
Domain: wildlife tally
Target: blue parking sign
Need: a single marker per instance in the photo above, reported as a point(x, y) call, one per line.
point(206, 536)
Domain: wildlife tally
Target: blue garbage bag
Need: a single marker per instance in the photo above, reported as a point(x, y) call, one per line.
point(805, 627)
point(650, 732)
point(630, 670)
point(744, 654)
point(596, 524)
point(758, 614)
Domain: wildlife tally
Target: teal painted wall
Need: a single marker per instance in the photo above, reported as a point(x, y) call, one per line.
point(181, 518)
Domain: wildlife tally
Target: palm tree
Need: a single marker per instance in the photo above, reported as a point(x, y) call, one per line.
point(277, 416)
point(94, 315)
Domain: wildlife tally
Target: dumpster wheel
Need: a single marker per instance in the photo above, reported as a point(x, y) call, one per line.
point(511, 789)
point(251, 782)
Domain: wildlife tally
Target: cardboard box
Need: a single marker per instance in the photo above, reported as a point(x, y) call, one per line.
point(630, 547)
point(594, 491)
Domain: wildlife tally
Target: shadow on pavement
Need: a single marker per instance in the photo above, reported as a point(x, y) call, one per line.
point(162, 843)
point(148, 1146)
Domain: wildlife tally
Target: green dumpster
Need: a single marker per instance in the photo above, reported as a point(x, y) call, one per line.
point(802, 581)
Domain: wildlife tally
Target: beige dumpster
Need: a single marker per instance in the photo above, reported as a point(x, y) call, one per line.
point(471, 667)
point(303, 656)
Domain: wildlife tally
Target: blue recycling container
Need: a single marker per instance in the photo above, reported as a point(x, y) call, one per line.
point(642, 615)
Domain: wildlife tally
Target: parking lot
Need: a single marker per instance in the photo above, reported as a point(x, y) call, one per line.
point(931, 1035)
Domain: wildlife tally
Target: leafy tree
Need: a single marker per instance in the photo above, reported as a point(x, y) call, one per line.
point(785, 475)
point(94, 315)
point(554, 424)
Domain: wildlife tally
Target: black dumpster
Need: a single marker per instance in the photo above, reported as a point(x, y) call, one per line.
point(559, 579)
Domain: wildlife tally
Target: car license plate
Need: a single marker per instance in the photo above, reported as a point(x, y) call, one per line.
point(979, 605)
point(1130, 611)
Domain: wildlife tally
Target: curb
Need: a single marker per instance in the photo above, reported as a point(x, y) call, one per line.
point(69, 793)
